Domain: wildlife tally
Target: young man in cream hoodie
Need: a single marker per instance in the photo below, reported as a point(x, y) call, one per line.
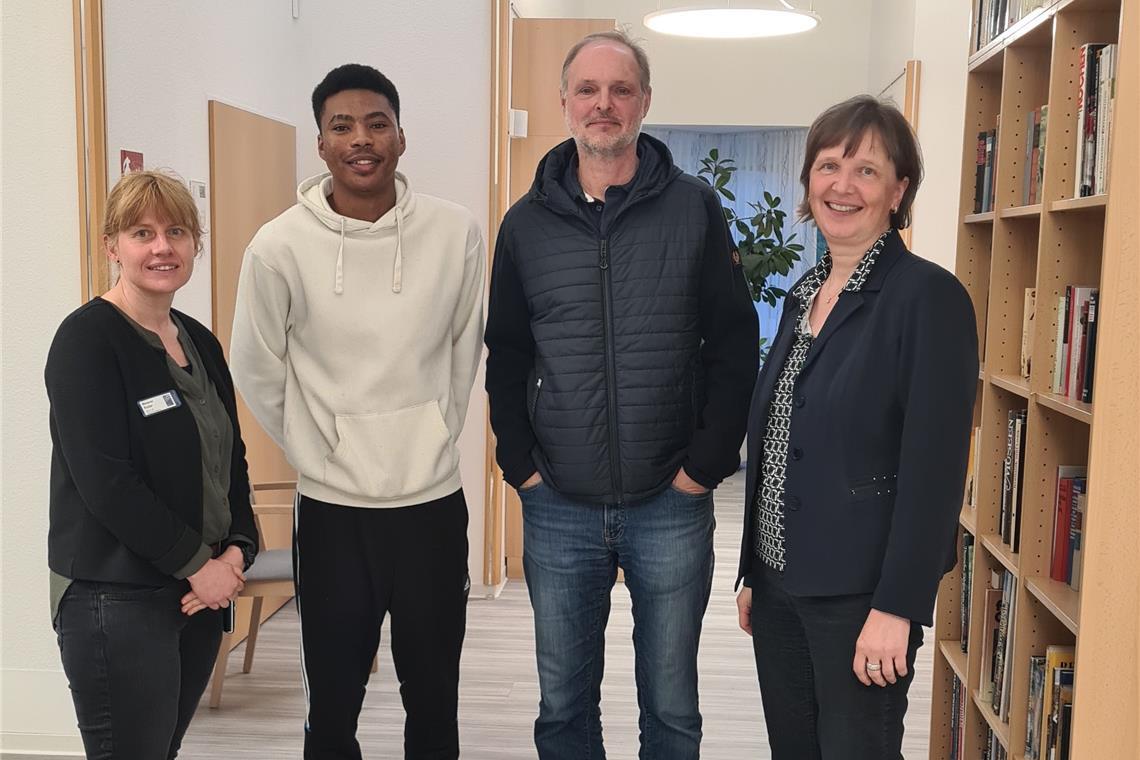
point(356, 338)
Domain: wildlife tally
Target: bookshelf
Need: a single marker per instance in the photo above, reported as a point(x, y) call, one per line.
point(1061, 240)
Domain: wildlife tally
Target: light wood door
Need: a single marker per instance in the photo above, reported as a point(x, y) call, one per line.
point(253, 178)
point(538, 47)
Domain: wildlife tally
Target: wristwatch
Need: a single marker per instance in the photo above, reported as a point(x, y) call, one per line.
point(248, 553)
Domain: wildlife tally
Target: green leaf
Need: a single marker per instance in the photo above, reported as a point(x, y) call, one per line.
point(768, 198)
point(727, 193)
point(742, 228)
point(714, 154)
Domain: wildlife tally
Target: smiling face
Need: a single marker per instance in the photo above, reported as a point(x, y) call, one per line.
point(851, 197)
point(604, 104)
point(155, 255)
point(361, 143)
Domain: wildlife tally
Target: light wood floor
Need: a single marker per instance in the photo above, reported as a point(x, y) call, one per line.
point(262, 713)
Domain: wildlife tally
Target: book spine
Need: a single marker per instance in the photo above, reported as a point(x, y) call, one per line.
point(1078, 154)
point(1059, 345)
point(1090, 354)
point(1057, 570)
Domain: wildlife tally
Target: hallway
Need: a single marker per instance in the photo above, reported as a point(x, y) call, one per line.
point(262, 713)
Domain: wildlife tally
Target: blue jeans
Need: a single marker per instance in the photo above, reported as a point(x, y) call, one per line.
point(572, 551)
point(135, 664)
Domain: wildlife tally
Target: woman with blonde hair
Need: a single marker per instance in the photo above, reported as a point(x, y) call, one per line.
point(151, 527)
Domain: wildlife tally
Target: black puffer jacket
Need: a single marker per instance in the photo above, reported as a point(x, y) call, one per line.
point(623, 350)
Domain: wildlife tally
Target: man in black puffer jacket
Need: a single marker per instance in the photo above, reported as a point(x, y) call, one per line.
point(623, 350)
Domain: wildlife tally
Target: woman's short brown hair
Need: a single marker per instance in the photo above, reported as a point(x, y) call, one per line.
point(847, 123)
point(139, 192)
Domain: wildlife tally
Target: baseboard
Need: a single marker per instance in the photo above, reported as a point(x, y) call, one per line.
point(483, 591)
point(37, 716)
point(19, 746)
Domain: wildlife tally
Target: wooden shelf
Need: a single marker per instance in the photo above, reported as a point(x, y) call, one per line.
point(998, 256)
point(1089, 203)
point(1078, 410)
point(1001, 552)
point(1011, 383)
point(955, 657)
point(1001, 730)
point(1033, 29)
point(1020, 211)
point(1059, 598)
point(969, 520)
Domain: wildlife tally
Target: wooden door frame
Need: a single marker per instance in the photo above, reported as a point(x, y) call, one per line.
point(91, 145)
point(494, 491)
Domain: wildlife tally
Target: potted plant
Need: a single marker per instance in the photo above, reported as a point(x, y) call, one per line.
point(764, 251)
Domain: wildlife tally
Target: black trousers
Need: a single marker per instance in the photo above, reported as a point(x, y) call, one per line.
point(814, 706)
point(136, 666)
point(353, 567)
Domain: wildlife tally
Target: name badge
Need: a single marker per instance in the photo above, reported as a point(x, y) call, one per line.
point(160, 403)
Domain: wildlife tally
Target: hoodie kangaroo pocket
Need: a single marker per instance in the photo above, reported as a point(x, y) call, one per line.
point(390, 454)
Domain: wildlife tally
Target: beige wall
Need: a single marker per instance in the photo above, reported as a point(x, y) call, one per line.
point(39, 241)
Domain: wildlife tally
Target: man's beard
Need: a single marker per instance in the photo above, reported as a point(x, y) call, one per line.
point(605, 146)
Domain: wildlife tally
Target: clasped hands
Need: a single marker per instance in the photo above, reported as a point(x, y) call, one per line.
point(216, 584)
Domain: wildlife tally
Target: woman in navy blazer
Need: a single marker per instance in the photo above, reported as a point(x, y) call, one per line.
point(857, 445)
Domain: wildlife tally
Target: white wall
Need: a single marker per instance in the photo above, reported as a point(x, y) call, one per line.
point(784, 81)
point(39, 240)
point(258, 57)
point(164, 60)
point(941, 42)
point(891, 41)
point(158, 84)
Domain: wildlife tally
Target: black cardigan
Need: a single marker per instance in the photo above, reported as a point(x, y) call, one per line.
point(879, 437)
point(126, 490)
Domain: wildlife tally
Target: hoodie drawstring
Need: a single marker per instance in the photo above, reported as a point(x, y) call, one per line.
point(338, 286)
point(398, 264)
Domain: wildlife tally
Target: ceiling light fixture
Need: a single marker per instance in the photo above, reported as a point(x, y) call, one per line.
point(731, 20)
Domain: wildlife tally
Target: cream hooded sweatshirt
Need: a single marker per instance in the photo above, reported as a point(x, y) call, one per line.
point(355, 344)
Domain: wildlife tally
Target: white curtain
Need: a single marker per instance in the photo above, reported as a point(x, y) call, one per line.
point(766, 159)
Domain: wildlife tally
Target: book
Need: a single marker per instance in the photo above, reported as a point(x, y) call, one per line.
point(1010, 595)
point(980, 175)
point(1057, 657)
point(1044, 113)
point(1076, 528)
point(1090, 352)
point(1002, 661)
point(991, 617)
point(1105, 100)
point(1078, 306)
point(1027, 163)
point(1017, 478)
point(1062, 507)
point(1005, 510)
point(1027, 322)
point(1034, 711)
point(1065, 740)
point(1060, 370)
point(1077, 541)
point(1085, 154)
point(1062, 695)
point(967, 580)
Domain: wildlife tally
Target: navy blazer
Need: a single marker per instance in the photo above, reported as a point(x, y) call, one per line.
point(126, 489)
point(881, 420)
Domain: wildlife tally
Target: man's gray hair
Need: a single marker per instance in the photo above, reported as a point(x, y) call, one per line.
point(619, 36)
